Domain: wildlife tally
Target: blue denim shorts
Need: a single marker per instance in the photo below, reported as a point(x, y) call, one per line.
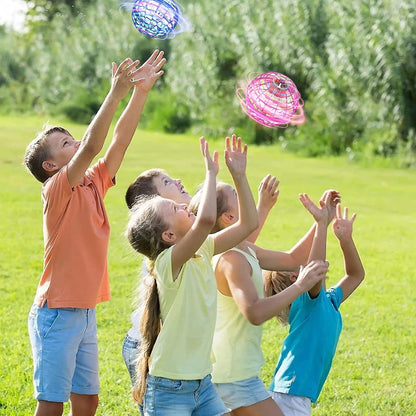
point(65, 352)
point(168, 397)
point(242, 393)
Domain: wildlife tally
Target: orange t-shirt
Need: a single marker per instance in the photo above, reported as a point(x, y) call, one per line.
point(76, 233)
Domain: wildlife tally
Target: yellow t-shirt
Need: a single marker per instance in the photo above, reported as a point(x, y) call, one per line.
point(237, 343)
point(188, 309)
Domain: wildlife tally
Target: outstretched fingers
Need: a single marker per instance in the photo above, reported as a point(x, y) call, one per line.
point(204, 145)
point(344, 216)
point(307, 203)
point(268, 187)
point(235, 154)
point(156, 60)
point(234, 144)
point(211, 162)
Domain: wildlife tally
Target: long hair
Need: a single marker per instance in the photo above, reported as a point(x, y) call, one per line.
point(144, 232)
point(149, 328)
point(142, 185)
point(146, 226)
point(275, 282)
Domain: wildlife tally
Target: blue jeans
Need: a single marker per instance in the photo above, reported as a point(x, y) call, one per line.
point(130, 354)
point(168, 397)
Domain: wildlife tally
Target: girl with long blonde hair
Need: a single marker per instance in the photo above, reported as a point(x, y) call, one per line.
point(173, 373)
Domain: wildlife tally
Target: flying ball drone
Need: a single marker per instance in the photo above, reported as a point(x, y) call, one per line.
point(272, 100)
point(160, 19)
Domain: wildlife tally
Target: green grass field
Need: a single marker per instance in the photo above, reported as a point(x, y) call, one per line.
point(374, 370)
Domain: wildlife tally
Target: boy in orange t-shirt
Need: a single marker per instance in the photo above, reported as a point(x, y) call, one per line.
point(62, 325)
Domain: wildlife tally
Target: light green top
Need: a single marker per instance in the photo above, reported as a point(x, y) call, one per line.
point(237, 343)
point(188, 309)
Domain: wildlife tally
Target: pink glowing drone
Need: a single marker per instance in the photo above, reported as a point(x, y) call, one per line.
point(272, 100)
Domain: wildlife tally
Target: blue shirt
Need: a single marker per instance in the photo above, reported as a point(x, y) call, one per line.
point(308, 349)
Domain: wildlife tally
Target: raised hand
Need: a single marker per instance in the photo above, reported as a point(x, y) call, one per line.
point(342, 226)
point(211, 163)
point(327, 204)
point(121, 78)
point(314, 272)
point(146, 75)
point(268, 192)
point(319, 213)
point(235, 155)
point(334, 198)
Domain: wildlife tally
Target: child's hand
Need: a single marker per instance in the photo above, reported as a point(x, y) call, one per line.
point(319, 213)
point(327, 205)
point(268, 193)
point(311, 274)
point(342, 225)
point(146, 75)
point(334, 198)
point(211, 164)
point(235, 155)
point(121, 78)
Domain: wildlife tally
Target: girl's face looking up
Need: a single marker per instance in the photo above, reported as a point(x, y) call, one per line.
point(178, 218)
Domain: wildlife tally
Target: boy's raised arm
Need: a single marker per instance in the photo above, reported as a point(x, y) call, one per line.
point(97, 131)
point(143, 79)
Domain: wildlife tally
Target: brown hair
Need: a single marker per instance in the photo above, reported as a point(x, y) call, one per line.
point(222, 204)
point(143, 185)
point(275, 282)
point(38, 151)
point(145, 227)
point(144, 232)
point(149, 328)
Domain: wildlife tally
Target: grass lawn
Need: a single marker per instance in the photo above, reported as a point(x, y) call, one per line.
point(374, 370)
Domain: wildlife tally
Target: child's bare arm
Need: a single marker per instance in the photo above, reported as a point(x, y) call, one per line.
point(143, 79)
point(268, 194)
point(235, 269)
point(322, 216)
point(97, 131)
point(299, 253)
point(188, 245)
point(354, 270)
point(236, 160)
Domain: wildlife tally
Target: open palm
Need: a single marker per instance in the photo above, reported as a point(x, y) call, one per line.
point(342, 226)
point(146, 75)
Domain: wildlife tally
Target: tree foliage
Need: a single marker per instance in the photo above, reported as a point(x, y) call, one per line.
point(46, 10)
point(353, 62)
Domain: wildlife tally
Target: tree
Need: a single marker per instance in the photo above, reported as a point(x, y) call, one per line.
point(45, 10)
